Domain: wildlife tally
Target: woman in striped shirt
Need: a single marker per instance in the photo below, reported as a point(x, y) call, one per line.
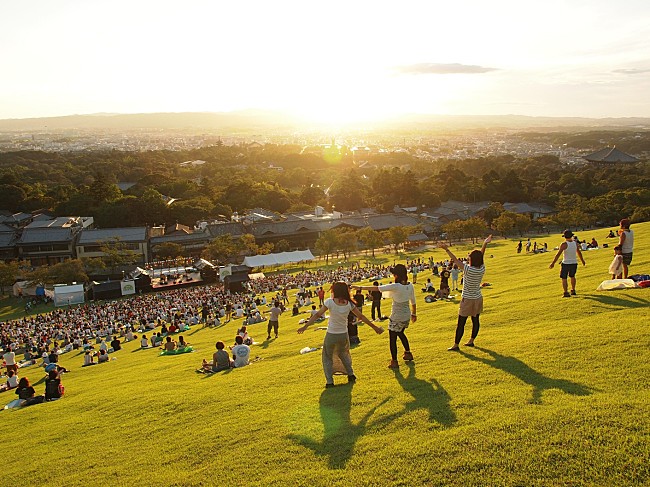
point(471, 303)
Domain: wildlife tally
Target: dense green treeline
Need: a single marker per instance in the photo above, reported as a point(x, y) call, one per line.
point(286, 178)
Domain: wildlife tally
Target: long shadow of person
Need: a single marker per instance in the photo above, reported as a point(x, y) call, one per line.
point(340, 434)
point(527, 374)
point(426, 395)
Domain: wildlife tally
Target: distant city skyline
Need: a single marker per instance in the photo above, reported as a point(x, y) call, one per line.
point(332, 62)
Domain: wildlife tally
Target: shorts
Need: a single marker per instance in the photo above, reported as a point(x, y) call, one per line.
point(627, 258)
point(470, 307)
point(568, 270)
point(397, 326)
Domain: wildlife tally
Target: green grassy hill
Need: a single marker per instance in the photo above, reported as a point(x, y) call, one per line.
point(556, 393)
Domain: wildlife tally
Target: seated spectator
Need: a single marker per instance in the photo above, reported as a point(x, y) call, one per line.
point(164, 329)
point(102, 357)
point(89, 359)
point(428, 287)
point(242, 332)
point(240, 352)
point(220, 360)
point(442, 293)
point(172, 328)
point(295, 311)
point(156, 339)
point(116, 344)
point(12, 381)
point(53, 359)
point(144, 341)
point(182, 343)
point(53, 387)
point(170, 344)
point(315, 311)
point(27, 394)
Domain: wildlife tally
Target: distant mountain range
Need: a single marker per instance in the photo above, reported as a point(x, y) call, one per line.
point(256, 120)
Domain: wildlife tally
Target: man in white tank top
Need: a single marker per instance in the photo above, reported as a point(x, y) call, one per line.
point(626, 241)
point(571, 251)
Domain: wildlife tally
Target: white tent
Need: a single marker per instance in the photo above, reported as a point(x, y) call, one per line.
point(67, 295)
point(277, 259)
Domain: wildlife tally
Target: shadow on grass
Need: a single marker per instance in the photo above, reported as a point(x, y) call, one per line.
point(426, 395)
point(265, 344)
point(147, 348)
point(619, 300)
point(340, 435)
point(527, 374)
point(221, 372)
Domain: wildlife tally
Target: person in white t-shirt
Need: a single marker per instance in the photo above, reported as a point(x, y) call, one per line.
point(336, 339)
point(12, 381)
point(403, 294)
point(571, 252)
point(240, 352)
point(10, 360)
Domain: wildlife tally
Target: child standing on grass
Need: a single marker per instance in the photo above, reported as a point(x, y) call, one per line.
point(471, 303)
point(402, 293)
point(337, 341)
point(616, 267)
point(455, 272)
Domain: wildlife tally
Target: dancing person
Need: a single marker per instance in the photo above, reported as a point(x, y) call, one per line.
point(471, 303)
point(626, 242)
point(402, 293)
point(571, 251)
point(336, 340)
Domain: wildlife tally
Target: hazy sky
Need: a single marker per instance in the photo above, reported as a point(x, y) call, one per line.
point(329, 60)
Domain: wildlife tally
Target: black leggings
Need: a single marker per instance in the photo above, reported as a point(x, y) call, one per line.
point(460, 327)
point(392, 340)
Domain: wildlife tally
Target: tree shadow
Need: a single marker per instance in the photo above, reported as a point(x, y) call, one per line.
point(527, 374)
point(340, 434)
point(426, 395)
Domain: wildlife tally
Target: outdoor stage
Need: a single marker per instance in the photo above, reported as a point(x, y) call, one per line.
point(174, 278)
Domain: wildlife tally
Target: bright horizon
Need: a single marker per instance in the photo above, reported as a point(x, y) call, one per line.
point(333, 62)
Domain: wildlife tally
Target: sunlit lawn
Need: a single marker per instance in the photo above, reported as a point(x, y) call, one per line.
point(556, 393)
